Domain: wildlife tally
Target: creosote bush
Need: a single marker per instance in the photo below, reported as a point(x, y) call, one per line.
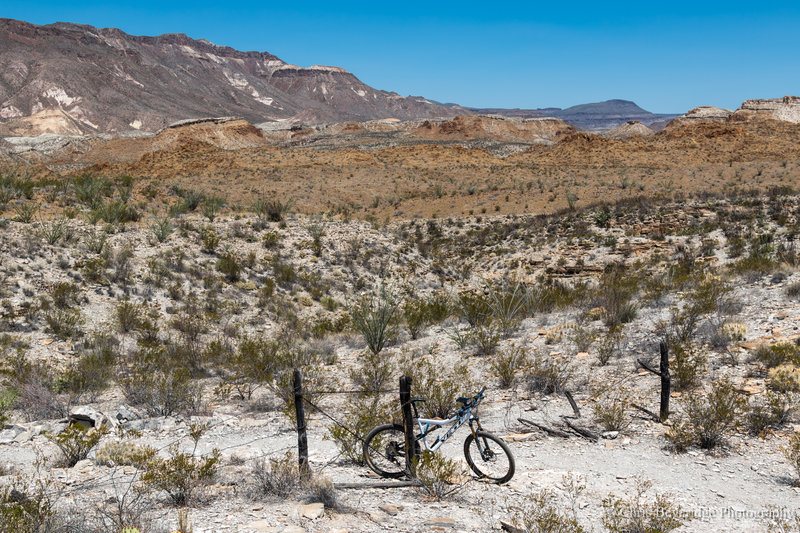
point(439, 476)
point(508, 364)
point(770, 411)
point(792, 452)
point(548, 373)
point(275, 477)
point(687, 366)
point(550, 511)
point(611, 408)
point(182, 475)
point(707, 420)
point(658, 514)
point(774, 355)
point(437, 385)
point(363, 411)
point(76, 442)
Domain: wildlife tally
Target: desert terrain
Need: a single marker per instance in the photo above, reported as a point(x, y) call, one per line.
point(161, 288)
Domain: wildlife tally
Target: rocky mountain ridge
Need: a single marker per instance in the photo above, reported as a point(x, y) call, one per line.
point(72, 79)
point(598, 116)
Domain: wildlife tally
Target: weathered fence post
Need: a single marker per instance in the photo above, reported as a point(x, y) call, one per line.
point(665, 380)
point(302, 438)
point(408, 424)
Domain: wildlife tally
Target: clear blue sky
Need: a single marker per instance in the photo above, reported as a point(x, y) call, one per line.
point(668, 56)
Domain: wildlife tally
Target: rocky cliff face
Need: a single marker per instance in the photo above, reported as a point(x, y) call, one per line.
point(786, 109)
point(88, 80)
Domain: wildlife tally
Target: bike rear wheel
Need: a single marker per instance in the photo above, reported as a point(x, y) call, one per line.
point(489, 457)
point(385, 450)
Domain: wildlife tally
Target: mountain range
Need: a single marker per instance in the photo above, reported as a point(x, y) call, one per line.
point(599, 116)
point(80, 79)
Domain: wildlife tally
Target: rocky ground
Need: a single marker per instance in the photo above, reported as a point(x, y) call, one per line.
point(316, 267)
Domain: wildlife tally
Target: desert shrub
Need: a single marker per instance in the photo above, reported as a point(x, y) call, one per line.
point(784, 379)
point(93, 369)
point(182, 475)
point(365, 410)
point(124, 453)
point(211, 206)
point(322, 490)
point(614, 294)
point(64, 323)
point(548, 374)
point(35, 386)
point(472, 307)
point(209, 240)
point(734, 331)
point(793, 290)
point(76, 442)
point(770, 411)
point(162, 228)
point(152, 380)
point(582, 337)
point(113, 211)
point(438, 475)
point(611, 408)
point(94, 270)
point(507, 365)
point(546, 511)
point(65, 294)
point(550, 294)
point(438, 307)
point(415, 315)
point(128, 316)
point(792, 452)
point(707, 420)
point(316, 229)
point(90, 189)
point(485, 337)
point(272, 209)
point(230, 266)
point(7, 399)
point(688, 365)
point(373, 315)
point(760, 261)
point(610, 345)
point(275, 477)
point(419, 313)
point(29, 507)
point(706, 293)
point(437, 385)
point(271, 239)
point(774, 355)
point(658, 514)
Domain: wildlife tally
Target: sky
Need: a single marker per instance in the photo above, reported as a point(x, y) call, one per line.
point(668, 57)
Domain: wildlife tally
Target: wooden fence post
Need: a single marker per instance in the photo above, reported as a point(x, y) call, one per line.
point(665, 380)
point(408, 424)
point(302, 438)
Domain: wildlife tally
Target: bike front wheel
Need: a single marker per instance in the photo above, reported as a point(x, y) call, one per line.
point(385, 450)
point(489, 457)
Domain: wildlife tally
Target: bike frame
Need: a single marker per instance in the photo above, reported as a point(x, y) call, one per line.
point(427, 425)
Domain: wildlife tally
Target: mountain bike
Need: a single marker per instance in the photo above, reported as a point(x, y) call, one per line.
point(487, 455)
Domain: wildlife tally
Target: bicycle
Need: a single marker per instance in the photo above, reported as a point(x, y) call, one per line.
point(384, 446)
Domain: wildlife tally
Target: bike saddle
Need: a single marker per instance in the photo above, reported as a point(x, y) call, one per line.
point(465, 401)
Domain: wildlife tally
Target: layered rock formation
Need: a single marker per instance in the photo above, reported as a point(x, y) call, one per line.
point(786, 109)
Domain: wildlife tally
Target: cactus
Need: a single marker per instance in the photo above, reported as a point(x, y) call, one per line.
point(123, 453)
